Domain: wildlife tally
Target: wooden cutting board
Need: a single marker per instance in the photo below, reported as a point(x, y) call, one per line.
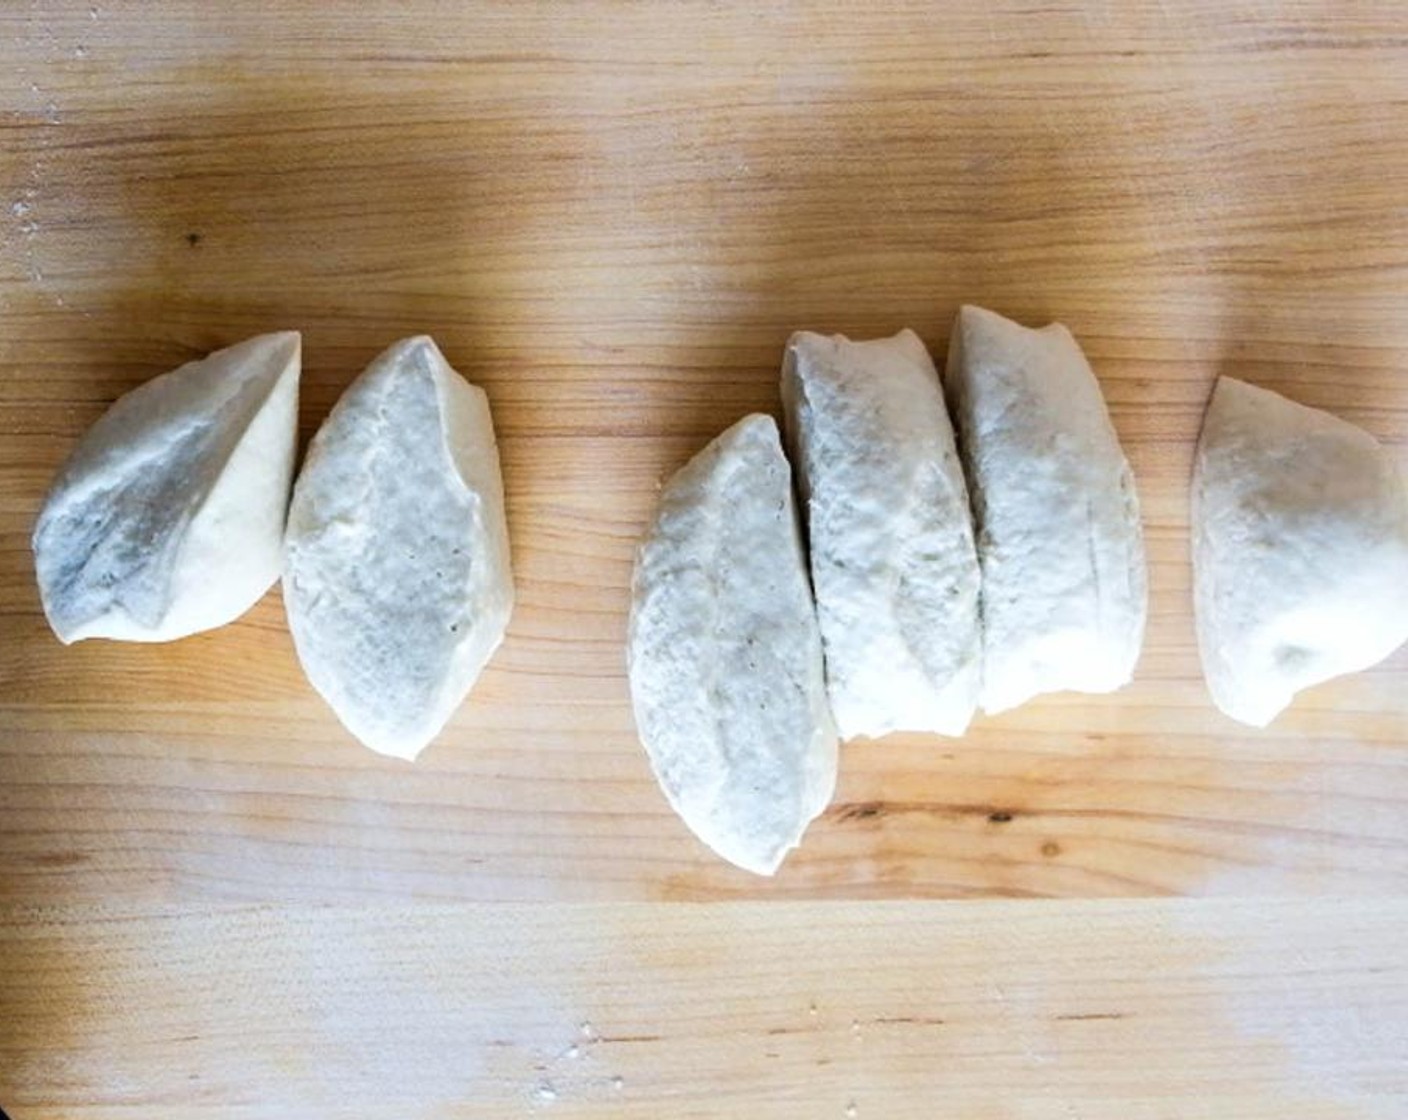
point(1151, 1009)
point(611, 217)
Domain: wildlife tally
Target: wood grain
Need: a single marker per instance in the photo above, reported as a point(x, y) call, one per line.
point(1104, 1010)
point(611, 216)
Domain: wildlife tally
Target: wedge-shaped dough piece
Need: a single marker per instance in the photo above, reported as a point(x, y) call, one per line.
point(1064, 591)
point(1300, 550)
point(890, 533)
point(168, 517)
point(724, 653)
point(397, 585)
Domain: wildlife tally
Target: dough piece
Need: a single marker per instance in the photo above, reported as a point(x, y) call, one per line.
point(397, 585)
point(724, 653)
point(168, 517)
point(890, 533)
point(1064, 583)
point(1300, 550)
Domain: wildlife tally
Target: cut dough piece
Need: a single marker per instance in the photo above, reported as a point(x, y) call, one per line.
point(1064, 582)
point(890, 533)
point(397, 585)
point(1300, 550)
point(168, 517)
point(725, 656)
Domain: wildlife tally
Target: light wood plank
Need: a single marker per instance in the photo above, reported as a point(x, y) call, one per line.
point(1124, 1010)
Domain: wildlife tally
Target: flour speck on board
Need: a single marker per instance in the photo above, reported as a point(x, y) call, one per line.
point(852, 1111)
point(545, 1092)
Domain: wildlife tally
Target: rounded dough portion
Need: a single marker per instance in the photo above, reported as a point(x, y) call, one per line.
point(889, 531)
point(168, 517)
point(397, 584)
point(1064, 592)
point(724, 654)
point(1300, 550)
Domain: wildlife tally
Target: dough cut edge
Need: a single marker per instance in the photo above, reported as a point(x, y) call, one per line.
point(479, 467)
point(220, 497)
point(1218, 675)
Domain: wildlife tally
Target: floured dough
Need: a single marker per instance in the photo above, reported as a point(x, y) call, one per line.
point(1059, 539)
point(724, 653)
point(168, 517)
point(1300, 550)
point(890, 533)
point(397, 584)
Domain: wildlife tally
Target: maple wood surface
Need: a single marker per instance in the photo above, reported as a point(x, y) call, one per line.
point(1109, 1009)
point(611, 215)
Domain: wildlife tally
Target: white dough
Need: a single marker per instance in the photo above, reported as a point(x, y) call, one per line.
point(397, 585)
point(724, 653)
point(1300, 550)
point(1064, 583)
point(168, 517)
point(890, 533)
